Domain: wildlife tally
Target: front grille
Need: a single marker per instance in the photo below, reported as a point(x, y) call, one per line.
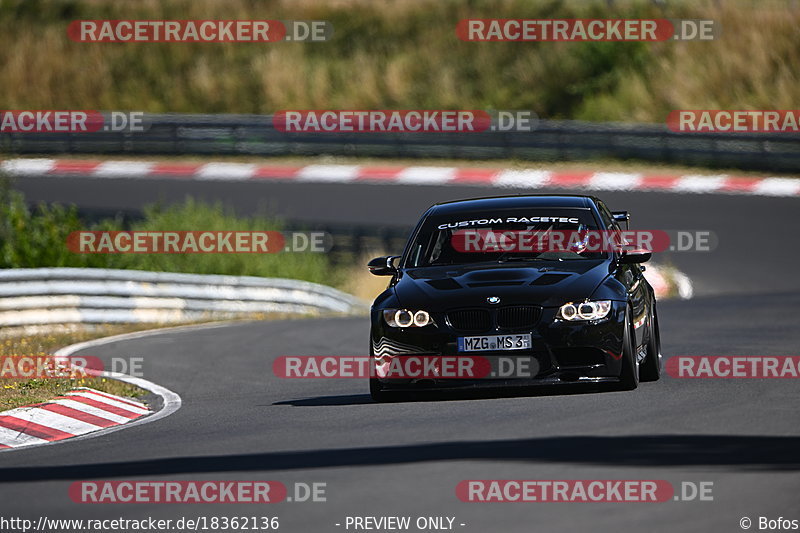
point(484, 320)
point(470, 319)
point(518, 316)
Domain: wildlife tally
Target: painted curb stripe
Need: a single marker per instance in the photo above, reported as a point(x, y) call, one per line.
point(11, 438)
point(100, 405)
point(52, 421)
point(109, 400)
point(132, 403)
point(174, 169)
point(79, 412)
point(33, 429)
point(277, 171)
point(478, 176)
point(69, 166)
point(90, 410)
point(408, 175)
point(78, 415)
point(378, 173)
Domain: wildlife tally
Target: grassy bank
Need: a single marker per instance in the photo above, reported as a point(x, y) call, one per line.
point(31, 238)
point(17, 392)
point(402, 54)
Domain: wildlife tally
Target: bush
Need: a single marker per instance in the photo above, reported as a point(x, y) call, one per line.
point(37, 238)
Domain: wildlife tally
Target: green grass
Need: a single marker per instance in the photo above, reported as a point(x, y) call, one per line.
point(32, 238)
point(19, 392)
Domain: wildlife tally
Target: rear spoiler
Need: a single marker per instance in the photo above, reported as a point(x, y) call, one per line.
point(622, 216)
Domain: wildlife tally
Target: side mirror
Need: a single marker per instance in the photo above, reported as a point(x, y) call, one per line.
point(383, 266)
point(622, 216)
point(631, 257)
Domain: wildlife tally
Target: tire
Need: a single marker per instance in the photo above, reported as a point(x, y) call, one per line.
point(376, 391)
point(629, 377)
point(380, 395)
point(650, 369)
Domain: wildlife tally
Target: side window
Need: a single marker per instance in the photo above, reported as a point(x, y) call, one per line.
point(608, 218)
point(611, 224)
point(416, 252)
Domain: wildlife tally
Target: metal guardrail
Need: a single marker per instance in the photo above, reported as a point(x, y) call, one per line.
point(550, 141)
point(71, 295)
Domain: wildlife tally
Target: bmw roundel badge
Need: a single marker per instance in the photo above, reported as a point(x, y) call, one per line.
point(493, 300)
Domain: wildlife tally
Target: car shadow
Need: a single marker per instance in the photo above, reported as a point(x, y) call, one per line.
point(320, 401)
point(732, 452)
point(446, 395)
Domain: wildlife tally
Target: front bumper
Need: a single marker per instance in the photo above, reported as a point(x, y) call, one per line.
point(561, 352)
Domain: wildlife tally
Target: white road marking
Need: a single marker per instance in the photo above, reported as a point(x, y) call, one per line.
point(522, 179)
point(425, 175)
point(226, 171)
point(325, 173)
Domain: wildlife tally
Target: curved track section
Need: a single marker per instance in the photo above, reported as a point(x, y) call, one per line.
point(238, 421)
point(753, 255)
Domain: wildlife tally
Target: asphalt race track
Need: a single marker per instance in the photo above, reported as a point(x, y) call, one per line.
point(238, 421)
point(751, 230)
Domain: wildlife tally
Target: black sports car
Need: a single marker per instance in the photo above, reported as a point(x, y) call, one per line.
point(571, 314)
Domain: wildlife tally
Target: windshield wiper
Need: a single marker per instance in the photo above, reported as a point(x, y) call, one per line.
point(511, 258)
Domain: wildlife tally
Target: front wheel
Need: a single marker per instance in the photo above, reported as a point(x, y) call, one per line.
point(376, 391)
point(651, 367)
point(381, 395)
point(629, 377)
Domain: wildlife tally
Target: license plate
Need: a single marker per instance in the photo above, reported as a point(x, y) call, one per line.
point(488, 343)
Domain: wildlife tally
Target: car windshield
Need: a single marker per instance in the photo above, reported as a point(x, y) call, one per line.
point(529, 235)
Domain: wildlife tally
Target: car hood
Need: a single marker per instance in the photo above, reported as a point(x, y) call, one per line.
point(547, 284)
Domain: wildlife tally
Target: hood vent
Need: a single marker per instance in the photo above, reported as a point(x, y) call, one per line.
point(495, 283)
point(446, 284)
point(550, 279)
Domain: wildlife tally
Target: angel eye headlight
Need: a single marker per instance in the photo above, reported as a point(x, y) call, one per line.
point(422, 318)
point(584, 310)
point(568, 312)
point(403, 318)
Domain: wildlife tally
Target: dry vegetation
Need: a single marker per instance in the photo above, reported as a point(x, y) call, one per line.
point(396, 54)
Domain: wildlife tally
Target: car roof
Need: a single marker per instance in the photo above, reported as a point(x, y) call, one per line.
point(515, 201)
